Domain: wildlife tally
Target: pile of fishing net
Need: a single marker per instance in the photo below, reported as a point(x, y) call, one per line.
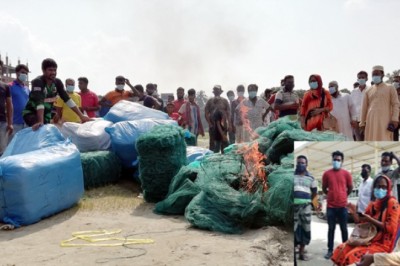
point(222, 193)
point(100, 168)
point(162, 153)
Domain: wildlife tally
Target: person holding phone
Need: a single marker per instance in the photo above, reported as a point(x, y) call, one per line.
point(380, 109)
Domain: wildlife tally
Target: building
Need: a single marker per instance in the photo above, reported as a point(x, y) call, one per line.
point(8, 73)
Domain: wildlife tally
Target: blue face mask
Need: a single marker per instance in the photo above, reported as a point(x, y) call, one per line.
point(231, 98)
point(377, 79)
point(314, 85)
point(301, 168)
point(70, 88)
point(380, 193)
point(252, 94)
point(23, 77)
point(362, 82)
point(396, 85)
point(336, 165)
point(332, 90)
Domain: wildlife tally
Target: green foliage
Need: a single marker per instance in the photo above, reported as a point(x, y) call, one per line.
point(390, 76)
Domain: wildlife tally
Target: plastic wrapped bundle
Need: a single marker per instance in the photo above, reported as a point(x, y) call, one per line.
point(37, 184)
point(124, 135)
point(89, 136)
point(193, 153)
point(162, 152)
point(100, 168)
point(181, 191)
point(28, 140)
point(130, 111)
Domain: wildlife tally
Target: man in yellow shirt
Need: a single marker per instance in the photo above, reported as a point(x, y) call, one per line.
point(65, 113)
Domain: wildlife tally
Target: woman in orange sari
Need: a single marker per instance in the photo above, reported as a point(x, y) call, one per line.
point(316, 105)
point(383, 212)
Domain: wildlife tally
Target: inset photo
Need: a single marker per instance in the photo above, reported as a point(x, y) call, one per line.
point(346, 209)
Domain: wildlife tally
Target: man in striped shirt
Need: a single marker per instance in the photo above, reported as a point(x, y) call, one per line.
point(305, 190)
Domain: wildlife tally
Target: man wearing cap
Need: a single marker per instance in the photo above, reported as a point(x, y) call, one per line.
point(216, 103)
point(380, 109)
point(19, 95)
point(357, 96)
point(113, 97)
point(343, 110)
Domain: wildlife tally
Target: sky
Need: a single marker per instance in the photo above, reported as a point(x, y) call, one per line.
point(200, 43)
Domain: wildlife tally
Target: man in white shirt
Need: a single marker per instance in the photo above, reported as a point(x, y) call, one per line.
point(357, 97)
point(365, 188)
point(343, 110)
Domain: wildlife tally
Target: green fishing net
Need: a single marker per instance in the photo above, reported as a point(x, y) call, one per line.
point(100, 168)
point(162, 152)
point(190, 140)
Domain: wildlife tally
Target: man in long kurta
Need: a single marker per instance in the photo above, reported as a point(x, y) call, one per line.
point(343, 110)
point(380, 109)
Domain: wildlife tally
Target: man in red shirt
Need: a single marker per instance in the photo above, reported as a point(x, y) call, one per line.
point(90, 101)
point(337, 183)
point(180, 93)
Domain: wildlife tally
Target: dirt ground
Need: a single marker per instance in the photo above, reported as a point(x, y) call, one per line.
point(176, 242)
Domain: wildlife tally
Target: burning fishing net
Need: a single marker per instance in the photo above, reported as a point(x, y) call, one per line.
point(162, 152)
point(243, 188)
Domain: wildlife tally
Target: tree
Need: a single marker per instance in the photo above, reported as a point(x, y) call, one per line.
point(345, 91)
point(301, 93)
point(391, 76)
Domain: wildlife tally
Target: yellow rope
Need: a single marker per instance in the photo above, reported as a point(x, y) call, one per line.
point(90, 236)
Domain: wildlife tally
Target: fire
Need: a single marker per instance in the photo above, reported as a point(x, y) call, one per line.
point(254, 162)
point(244, 110)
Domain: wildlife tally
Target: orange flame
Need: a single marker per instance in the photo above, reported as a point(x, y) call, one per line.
point(244, 110)
point(254, 162)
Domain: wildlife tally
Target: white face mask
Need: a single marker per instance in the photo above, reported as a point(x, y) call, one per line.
point(240, 93)
point(120, 87)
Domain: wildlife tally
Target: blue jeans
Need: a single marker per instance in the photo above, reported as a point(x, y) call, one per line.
point(334, 214)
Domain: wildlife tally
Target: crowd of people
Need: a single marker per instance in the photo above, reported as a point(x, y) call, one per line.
point(368, 113)
point(377, 207)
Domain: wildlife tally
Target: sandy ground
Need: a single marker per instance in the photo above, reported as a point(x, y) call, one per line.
point(175, 241)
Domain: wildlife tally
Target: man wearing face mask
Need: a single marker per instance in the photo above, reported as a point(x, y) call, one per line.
point(380, 109)
point(236, 122)
point(337, 184)
point(305, 191)
point(357, 96)
point(342, 110)
point(365, 188)
point(216, 103)
point(252, 112)
point(286, 100)
point(63, 112)
point(231, 133)
point(113, 97)
point(394, 175)
point(20, 95)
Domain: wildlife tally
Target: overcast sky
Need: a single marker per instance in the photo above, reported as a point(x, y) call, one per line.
point(199, 43)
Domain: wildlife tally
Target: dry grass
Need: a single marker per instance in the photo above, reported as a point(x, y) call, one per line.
point(121, 196)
